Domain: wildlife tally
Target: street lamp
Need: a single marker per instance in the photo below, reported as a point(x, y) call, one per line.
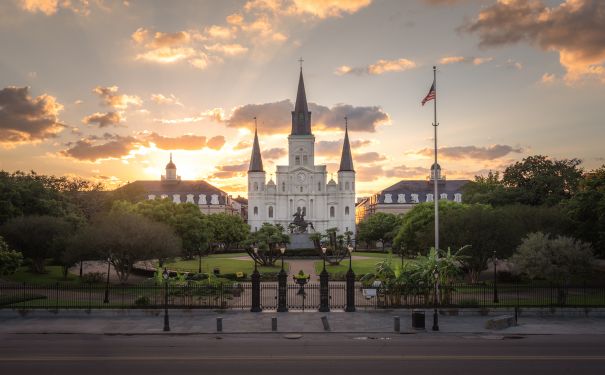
point(282, 250)
point(323, 251)
point(255, 283)
point(350, 249)
point(165, 275)
point(106, 300)
point(350, 278)
point(495, 279)
point(435, 314)
point(255, 250)
point(324, 292)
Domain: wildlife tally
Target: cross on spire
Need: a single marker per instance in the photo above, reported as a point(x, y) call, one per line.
point(255, 125)
point(346, 122)
point(301, 61)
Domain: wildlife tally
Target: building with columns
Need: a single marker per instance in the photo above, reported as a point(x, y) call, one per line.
point(302, 185)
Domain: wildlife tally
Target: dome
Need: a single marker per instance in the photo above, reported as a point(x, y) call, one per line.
point(433, 166)
point(170, 164)
point(332, 182)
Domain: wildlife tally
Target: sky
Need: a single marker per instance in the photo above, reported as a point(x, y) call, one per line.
point(106, 90)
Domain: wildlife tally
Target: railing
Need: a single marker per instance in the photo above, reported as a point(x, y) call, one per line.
point(239, 296)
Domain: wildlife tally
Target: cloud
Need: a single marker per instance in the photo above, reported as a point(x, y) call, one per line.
point(274, 153)
point(228, 49)
point(50, 7)
point(183, 142)
point(242, 145)
point(230, 171)
point(24, 119)
point(573, 28)
point(329, 8)
point(88, 149)
point(276, 117)
point(103, 119)
point(216, 143)
point(369, 157)
point(379, 67)
point(170, 99)
point(548, 78)
point(111, 98)
point(471, 152)
point(458, 59)
point(403, 171)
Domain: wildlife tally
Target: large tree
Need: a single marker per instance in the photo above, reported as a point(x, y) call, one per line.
point(587, 210)
point(37, 237)
point(267, 240)
point(540, 180)
point(227, 230)
point(126, 238)
point(10, 260)
point(378, 227)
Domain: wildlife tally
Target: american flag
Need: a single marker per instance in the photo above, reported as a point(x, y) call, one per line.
point(431, 95)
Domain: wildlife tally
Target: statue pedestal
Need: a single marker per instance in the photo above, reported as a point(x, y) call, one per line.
point(300, 241)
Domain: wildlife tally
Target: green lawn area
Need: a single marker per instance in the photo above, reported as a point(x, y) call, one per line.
point(223, 262)
point(54, 274)
point(360, 266)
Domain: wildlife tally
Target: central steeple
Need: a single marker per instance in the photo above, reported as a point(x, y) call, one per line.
point(301, 117)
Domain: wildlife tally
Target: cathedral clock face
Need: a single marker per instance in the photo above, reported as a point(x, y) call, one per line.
point(301, 177)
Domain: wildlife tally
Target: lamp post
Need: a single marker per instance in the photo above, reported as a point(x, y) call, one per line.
point(255, 285)
point(282, 286)
point(165, 274)
point(350, 282)
point(495, 280)
point(324, 294)
point(106, 300)
point(435, 313)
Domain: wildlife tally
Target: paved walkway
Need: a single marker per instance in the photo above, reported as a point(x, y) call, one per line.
point(204, 321)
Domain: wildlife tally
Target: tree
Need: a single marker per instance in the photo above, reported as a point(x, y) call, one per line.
point(587, 210)
point(267, 240)
point(539, 180)
point(10, 260)
point(488, 190)
point(37, 237)
point(378, 227)
point(227, 230)
point(556, 259)
point(186, 219)
point(126, 238)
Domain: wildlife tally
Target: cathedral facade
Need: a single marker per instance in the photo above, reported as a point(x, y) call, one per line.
point(302, 186)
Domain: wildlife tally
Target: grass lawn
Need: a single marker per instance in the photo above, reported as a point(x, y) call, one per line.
point(54, 274)
point(223, 263)
point(360, 266)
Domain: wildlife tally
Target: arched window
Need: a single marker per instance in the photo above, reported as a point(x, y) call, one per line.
point(297, 160)
point(271, 211)
point(255, 211)
point(301, 189)
point(347, 185)
point(332, 211)
point(283, 187)
point(347, 210)
point(319, 186)
point(256, 186)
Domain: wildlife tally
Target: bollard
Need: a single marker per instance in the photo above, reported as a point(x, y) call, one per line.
point(274, 324)
point(324, 321)
point(396, 324)
point(219, 324)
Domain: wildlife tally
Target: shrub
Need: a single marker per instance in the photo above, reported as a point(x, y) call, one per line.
point(10, 260)
point(142, 301)
point(93, 277)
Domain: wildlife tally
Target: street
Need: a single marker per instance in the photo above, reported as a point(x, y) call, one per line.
point(419, 353)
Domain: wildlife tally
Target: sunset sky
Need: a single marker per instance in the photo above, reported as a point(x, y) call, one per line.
point(106, 89)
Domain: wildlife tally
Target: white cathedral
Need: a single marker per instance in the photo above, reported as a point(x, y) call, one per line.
point(301, 185)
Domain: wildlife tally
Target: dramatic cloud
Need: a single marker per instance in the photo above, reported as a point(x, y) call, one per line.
point(380, 67)
point(334, 148)
point(89, 149)
point(242, 145)
point(111, 98)
point(25, 119)
point(50, 7)
point(471, 152)
point(315, 8)
point(274, 153)
point(161, 99)
point(103, 119)
point(276, 117)
point(227, 49)
point(403, 171)
point(368, 157)
point(573, 28)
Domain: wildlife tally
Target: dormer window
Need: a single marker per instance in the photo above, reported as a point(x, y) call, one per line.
point(297, 160)
point(305, 160)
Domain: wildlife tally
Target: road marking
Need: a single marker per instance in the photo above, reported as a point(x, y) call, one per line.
point(307, 357)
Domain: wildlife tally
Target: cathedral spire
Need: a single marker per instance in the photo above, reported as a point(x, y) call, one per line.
point(346, 160)
point(301, 117)
point(256, 162)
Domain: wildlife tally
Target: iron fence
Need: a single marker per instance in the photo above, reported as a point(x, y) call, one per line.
point(239, 296)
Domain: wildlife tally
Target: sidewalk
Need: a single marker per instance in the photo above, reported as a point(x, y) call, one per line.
point(133, 322)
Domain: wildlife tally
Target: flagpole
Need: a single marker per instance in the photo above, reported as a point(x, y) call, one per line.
point(436, 202)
